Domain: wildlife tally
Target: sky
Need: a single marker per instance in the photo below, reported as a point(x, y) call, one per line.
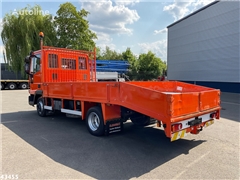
point(140, 25)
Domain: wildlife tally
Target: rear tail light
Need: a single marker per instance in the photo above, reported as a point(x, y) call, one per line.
point(176, 127)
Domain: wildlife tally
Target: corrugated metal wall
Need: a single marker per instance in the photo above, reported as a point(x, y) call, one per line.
point(205, 46)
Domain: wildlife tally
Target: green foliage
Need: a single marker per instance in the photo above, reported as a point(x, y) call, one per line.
point(72, 28)
point(109, 54)
point(149, 66)
point(132, 60)
point(145, 67)
point(98, 53)
point(20, 35)
point(21, 29)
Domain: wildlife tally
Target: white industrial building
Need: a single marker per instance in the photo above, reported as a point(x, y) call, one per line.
point(204, 47)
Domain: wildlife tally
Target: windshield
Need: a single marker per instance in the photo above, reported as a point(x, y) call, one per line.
point(35, 63)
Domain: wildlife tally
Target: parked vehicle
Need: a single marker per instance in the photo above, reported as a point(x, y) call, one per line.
point(11, 80)
point(14, 84)
point(65, 80)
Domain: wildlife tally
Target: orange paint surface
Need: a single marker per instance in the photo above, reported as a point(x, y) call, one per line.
point(68, 74)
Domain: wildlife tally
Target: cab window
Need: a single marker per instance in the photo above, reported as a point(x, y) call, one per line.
point(82, 63)
point(68, 63)
point(35, 63)
point(52, 61)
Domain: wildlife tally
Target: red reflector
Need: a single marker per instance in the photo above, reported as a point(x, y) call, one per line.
point(217, 115)
point(176, 127)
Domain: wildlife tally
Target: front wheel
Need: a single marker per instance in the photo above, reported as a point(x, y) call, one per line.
point(40, 107)
point(95, 122)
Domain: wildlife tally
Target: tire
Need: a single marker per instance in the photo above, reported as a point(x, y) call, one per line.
point(94, 121)
point(2, 86)
point(40, 107)
point(23, 86)
point(141, 121)
point(12, 86)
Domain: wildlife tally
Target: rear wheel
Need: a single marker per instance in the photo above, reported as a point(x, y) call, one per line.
point(23, 86)
point(40, 107)
point(12, 86)
point(141, 121)
point(2, 86)
point(95, 122)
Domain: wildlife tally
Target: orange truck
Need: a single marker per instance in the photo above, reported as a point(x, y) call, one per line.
point(65, 80)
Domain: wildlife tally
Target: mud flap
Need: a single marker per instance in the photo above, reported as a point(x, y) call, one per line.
point(113, 127)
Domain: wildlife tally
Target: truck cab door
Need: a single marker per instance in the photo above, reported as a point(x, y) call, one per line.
point(35, 72)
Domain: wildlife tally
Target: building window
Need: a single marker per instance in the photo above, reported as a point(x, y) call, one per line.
point(82, 63)
point(68, 63)
point(52, 61)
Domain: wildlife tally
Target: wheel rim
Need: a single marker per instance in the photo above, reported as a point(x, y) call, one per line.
point(40, 107)
point(12, 86)
point(93, 121)
point(24, 86)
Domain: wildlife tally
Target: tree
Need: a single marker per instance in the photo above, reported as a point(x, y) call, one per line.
point(98, 53)
point(149, 66)
point(20, 34)
point(146, 67)
point(72, 28)
point(109, 54)
point(132, 60)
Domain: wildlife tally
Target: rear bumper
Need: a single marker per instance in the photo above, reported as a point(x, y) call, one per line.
point(193, 130)
point(193, 125)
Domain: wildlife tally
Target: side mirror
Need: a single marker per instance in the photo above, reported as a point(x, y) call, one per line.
point(27, 59)
point(27, 68)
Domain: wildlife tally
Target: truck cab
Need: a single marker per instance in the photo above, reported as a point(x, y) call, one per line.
point(50, 65)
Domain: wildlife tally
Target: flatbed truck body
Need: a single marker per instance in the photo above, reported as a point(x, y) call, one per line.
point(65, 81)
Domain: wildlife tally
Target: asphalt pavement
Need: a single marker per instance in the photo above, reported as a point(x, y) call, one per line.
point(60, 147)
